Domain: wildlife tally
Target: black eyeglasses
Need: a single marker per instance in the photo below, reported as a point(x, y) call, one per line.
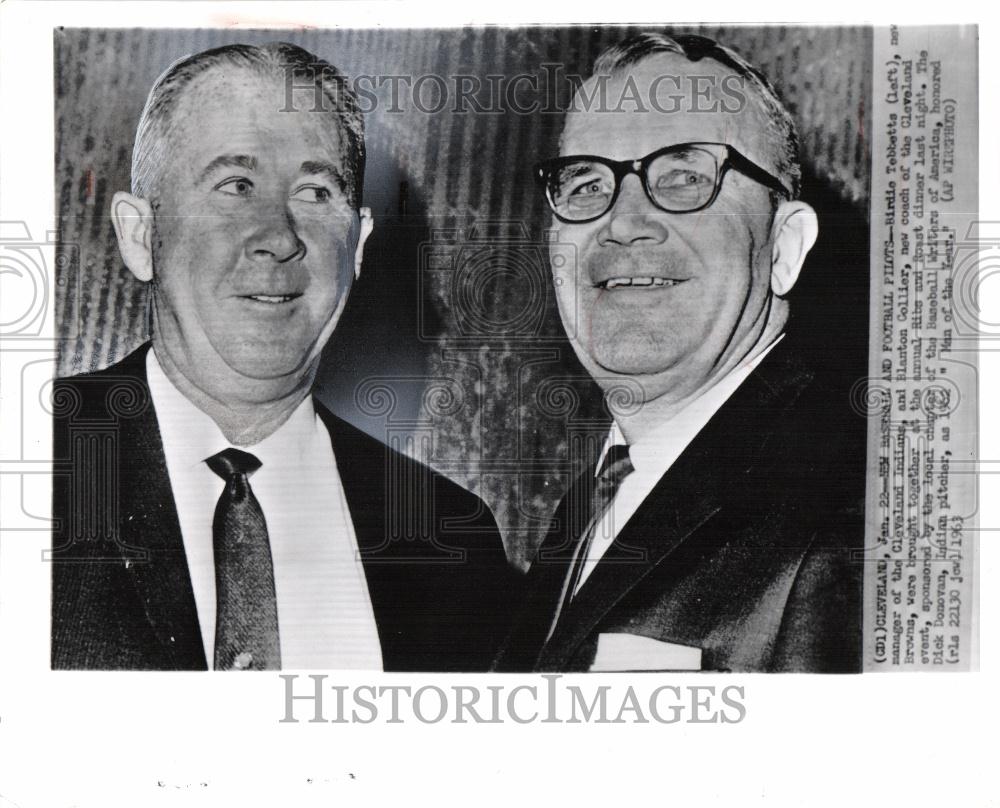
point(683, 178)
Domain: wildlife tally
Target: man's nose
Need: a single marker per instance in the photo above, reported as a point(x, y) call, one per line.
point(633, 220)
point(275, 236)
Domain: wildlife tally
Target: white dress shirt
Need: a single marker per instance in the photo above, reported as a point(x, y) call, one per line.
point(325, 617)
point(654, 454)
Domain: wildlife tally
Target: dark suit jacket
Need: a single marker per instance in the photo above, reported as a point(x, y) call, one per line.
point(440, 586)
point(746, 548)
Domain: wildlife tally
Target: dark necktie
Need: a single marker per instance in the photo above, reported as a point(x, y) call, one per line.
point(616, 467)
point(246, 619)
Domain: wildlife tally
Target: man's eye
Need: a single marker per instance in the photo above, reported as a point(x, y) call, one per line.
point(682, 179)
point(586, 188)
point(236, 186)
point(312, 193)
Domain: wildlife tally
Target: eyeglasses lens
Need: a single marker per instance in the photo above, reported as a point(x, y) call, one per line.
point(581, 190)
point(676, 181)
point(682, 181)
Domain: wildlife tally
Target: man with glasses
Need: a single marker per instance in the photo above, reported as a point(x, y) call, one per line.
point(716, 530)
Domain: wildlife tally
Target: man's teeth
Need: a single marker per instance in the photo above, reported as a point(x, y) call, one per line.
point(611, 283)
point(272, 298)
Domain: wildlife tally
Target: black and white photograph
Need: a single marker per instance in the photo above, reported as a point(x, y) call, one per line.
point(682, 474)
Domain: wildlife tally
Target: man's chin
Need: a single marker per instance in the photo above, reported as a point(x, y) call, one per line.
point(278, 367)
point(619, 362)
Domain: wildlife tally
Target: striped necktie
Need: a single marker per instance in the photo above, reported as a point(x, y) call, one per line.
point(246, 619)
point(614, 469)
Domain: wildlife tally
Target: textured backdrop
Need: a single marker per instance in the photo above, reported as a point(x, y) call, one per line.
point(451, 345)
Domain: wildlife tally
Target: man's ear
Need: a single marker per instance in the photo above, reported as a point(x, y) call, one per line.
point(133, 220)
point(794, 232)
point(366, 225)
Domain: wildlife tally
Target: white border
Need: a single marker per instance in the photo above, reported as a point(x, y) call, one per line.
point(113, 739)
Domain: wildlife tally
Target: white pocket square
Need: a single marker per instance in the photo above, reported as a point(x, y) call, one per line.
point(630, 652)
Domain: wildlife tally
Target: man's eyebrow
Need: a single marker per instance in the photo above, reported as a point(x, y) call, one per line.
point(684, 150)
point(321, 167)
point(244, 161)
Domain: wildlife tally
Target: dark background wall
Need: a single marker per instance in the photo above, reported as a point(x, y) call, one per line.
point(450, 346)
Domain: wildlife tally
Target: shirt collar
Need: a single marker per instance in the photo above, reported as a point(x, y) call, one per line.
point(657, 450)
point(190, 436)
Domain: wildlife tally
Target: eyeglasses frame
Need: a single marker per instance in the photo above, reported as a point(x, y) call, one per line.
point(640, 166)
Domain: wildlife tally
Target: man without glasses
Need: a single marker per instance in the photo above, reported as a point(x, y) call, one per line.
point(216, 515)
point(716, 530)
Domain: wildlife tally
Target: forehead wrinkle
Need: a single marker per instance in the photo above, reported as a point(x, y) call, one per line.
point(251, 84)
point(200, 107)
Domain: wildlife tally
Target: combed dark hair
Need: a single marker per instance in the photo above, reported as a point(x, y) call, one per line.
point(695, 48)
point(273, 59)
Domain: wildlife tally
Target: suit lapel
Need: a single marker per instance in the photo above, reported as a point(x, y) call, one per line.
point(546, 578)
point(650, 536)
point(148, 523)
point(362, 471)
point(391, 500)
point(691, 493)
point(362, 466)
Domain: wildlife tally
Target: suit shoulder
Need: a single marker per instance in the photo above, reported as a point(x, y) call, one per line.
point(132, 366)
point(117, 391)
point(361, 456)
point(815, 404)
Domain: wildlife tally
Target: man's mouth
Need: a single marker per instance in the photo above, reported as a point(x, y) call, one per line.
point(639, 282)
point(273, 299)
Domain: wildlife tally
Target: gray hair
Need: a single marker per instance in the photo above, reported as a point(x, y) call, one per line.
point(695, 48)
point(276, 59)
